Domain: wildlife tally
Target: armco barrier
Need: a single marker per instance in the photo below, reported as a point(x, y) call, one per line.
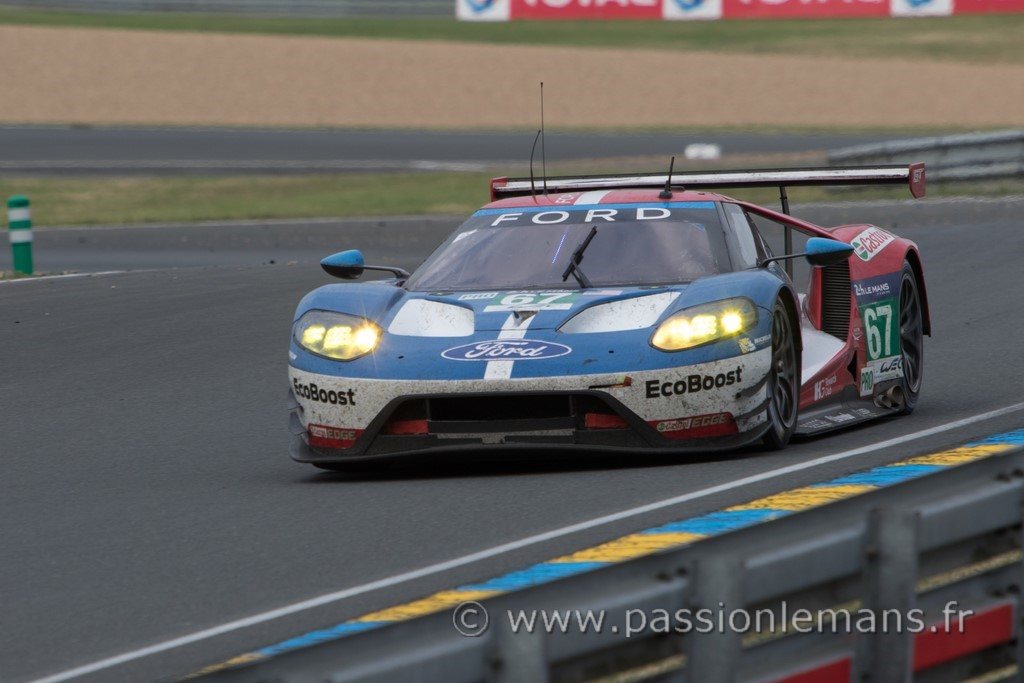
point(297, 8)
point(971, 156)
point(952, 536)
point(505, 10)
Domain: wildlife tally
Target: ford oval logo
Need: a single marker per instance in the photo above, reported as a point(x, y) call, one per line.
point(687, 5)
point(507, 349)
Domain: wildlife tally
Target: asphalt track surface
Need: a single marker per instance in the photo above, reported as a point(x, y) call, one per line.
point(48, 150)
point(146, 493)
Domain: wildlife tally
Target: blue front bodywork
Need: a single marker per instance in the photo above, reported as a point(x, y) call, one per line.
point(420, 358)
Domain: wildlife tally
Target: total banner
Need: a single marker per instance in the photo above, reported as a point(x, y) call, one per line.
point(506, 10)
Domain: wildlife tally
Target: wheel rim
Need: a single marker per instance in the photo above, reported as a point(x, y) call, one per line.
point(782, 402)
point(911, 334)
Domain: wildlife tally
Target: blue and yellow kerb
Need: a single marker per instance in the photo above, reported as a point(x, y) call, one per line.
point(664, 537)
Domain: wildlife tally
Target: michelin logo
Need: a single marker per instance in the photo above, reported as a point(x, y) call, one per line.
point(482, 10)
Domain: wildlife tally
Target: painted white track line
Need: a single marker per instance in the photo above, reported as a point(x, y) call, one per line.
point(504, 548)
point(65, 276)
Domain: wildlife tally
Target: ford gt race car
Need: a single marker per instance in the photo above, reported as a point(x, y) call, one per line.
point(622, 313)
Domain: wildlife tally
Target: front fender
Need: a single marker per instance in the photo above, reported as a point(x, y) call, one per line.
point(368, 299)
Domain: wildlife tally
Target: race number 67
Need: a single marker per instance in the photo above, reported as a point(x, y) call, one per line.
point(879, 339)
point(524, 299)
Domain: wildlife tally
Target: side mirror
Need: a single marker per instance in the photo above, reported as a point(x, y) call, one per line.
point(822, 251)
point(347, 265)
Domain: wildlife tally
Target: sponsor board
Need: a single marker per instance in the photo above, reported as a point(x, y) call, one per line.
point(988, 6)
point(692, 384)
point(506, 349)
point(780, 9)
point(869, 243)
point(505, 10)
point(586, 9)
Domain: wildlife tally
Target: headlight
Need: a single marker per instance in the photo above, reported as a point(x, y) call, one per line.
point(704, 324)
point(336, 335)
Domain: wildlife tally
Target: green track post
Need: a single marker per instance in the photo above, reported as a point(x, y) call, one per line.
point(19, 222)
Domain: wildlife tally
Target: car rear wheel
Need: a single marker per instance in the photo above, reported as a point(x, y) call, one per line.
point(783, 381)
point(911, 339)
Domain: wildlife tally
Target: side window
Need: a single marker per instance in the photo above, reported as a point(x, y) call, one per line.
point(773, 238)
point(740, 238)
point(766, 249)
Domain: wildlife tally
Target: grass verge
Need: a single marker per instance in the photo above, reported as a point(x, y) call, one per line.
point(982, 38)
point(112, 201)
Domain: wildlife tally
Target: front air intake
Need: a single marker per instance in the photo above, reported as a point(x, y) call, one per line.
point(835, 300)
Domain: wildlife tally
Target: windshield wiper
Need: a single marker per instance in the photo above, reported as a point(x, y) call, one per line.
point(574, 263)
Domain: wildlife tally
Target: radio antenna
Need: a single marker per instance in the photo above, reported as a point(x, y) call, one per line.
point(533, 183)
point(667, 192)
point(543, 149)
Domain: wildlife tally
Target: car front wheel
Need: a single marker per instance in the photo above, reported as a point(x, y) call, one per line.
point(783, 381)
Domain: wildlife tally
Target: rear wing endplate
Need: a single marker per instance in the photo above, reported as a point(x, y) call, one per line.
point(911, 175)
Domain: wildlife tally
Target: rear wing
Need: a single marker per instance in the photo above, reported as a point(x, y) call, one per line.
point(911, 175)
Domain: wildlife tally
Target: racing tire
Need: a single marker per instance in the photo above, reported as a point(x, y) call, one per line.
point(783, 381)
point(911, 339)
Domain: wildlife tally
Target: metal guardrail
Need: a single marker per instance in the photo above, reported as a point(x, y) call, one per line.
point(281, 8)
point(954, 535)
point(971, 156)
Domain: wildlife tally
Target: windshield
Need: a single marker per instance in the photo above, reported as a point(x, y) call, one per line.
point(531, 247)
